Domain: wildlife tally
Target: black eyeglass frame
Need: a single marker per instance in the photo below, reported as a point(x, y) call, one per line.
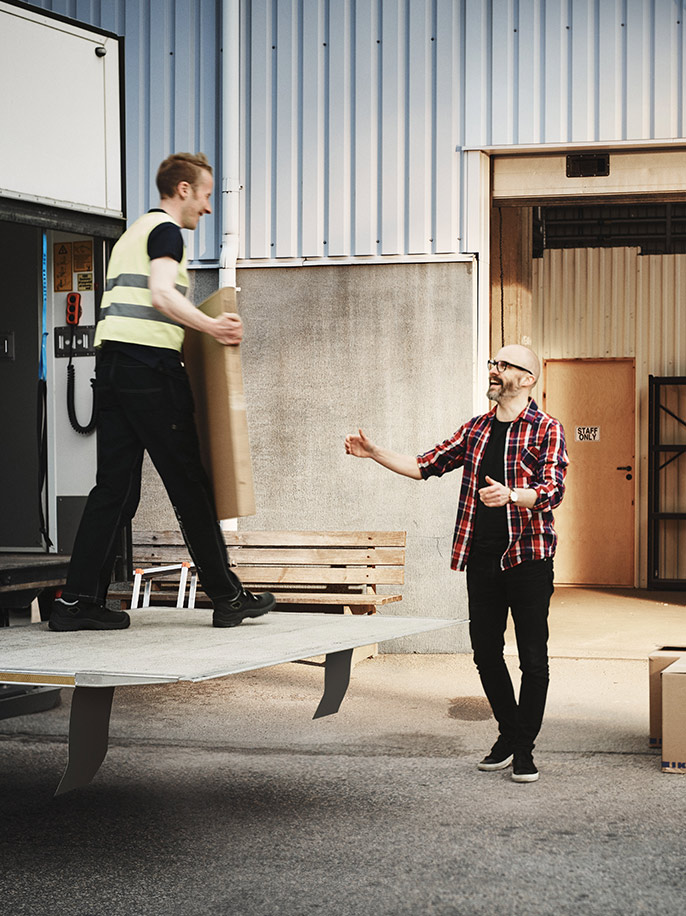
point(497, 363)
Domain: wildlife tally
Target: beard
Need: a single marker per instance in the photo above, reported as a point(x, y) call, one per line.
point(499, 390)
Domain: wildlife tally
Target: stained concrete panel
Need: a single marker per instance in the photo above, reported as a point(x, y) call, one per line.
point(384, 347)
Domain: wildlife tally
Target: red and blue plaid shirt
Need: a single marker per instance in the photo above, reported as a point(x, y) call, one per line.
point(535, 458)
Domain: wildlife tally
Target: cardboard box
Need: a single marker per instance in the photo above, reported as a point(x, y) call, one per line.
point(657, 662)
point(674, 717)
point(216, 378)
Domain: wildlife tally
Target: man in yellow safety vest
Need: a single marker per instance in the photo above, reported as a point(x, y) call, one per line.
point(145, 404)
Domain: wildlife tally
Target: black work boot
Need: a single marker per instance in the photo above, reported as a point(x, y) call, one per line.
point(84, 616)
point(229, 612)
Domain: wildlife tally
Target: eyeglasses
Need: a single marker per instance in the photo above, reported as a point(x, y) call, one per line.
point(501, 365)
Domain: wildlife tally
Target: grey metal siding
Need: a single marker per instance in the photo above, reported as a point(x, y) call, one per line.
point(351, 127)
point(172, 82)
point(355, 112)
point(563, 71)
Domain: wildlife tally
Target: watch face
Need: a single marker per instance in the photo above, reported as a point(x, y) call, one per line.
point(514, 496)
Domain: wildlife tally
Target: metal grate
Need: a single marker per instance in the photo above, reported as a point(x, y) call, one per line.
point(654, 228)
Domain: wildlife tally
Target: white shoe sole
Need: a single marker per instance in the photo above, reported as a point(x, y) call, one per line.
point(524, 777)
point(488, 767)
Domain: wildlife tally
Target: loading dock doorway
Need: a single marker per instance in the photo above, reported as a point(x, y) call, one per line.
point(590, 265)
point(594, 400)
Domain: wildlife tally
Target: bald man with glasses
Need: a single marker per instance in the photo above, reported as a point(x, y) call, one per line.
point(514, 462)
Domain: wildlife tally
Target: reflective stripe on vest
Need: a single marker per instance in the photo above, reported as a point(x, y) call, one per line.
point(126, 311)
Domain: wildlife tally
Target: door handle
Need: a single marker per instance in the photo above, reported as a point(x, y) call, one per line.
point(625, 468)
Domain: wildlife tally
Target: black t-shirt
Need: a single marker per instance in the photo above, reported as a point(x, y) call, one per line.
point(165, 241)
point(491, 534)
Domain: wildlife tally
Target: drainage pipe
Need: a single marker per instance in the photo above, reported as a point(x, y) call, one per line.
point(230, 142)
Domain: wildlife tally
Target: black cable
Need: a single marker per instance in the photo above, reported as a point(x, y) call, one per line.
point(41, 414)
point(71, 408)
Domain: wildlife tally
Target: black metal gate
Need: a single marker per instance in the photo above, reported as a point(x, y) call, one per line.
point(667, 483)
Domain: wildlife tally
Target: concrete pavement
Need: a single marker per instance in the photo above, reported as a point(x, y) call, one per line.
point(226, 798)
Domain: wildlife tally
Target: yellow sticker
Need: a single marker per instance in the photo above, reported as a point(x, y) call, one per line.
point(83, 255)
point(84, 282)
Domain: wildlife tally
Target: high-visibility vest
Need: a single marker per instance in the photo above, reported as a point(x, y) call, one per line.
point(126, 311)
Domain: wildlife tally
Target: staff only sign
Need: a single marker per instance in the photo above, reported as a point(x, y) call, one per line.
point(587, 434)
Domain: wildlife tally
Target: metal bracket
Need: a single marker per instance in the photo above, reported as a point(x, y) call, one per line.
point(84, 340)
point(89, 726)
point(336, 680)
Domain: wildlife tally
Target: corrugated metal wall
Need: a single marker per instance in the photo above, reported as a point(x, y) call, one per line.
point(352, 120)
point(356, 111)
point(610, 302)
point(566, 71)
point(172, 84)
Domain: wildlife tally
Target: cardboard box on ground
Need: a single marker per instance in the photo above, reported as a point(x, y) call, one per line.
point(216, 377)
point(657, 662)
point(674, 717)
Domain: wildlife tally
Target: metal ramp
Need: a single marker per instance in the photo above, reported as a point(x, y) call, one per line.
point(168, 645)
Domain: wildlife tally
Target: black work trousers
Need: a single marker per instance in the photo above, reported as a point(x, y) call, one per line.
point(526, 590)
point(146, 409)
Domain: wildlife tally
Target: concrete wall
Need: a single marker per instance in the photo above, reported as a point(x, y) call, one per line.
point(328, 349)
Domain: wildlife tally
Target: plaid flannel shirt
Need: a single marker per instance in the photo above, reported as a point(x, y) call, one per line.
point(535, 457)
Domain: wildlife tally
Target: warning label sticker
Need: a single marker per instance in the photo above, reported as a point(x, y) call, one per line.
point(62, 268)
point(83, 255)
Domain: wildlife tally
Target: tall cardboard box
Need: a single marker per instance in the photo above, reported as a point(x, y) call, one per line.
point(657, 662)
point(216, 377)
point(674, 717)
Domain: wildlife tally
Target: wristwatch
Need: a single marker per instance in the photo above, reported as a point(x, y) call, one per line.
point(514, 496)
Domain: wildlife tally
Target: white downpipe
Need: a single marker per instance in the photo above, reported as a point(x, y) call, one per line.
point(231, 148)
point(230, 166)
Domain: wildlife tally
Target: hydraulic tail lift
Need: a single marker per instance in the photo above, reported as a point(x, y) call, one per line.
point(94, 664)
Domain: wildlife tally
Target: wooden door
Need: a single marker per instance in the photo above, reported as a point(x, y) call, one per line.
point(594, 399)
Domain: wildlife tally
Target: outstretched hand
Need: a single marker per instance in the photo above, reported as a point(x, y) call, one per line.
point(358, 444)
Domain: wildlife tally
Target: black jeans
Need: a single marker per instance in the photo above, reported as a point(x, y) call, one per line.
point(526, 590)
point(144, 409)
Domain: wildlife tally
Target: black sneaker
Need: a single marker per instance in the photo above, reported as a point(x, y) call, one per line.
point(500, 756)
point(524, 768)
point(84, 616)
point(229, 612)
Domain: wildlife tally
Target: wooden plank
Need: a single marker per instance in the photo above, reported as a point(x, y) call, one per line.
point(157, 537)
point(48, 582)
point(159, 555)
point(315, 538)
point(283, 538)
point(318, 598)
point(278, 561)
point(317, 556)
point(263, 575)
point(334, 598)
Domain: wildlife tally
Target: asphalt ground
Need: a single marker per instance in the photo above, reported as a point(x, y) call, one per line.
point(225, 797)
